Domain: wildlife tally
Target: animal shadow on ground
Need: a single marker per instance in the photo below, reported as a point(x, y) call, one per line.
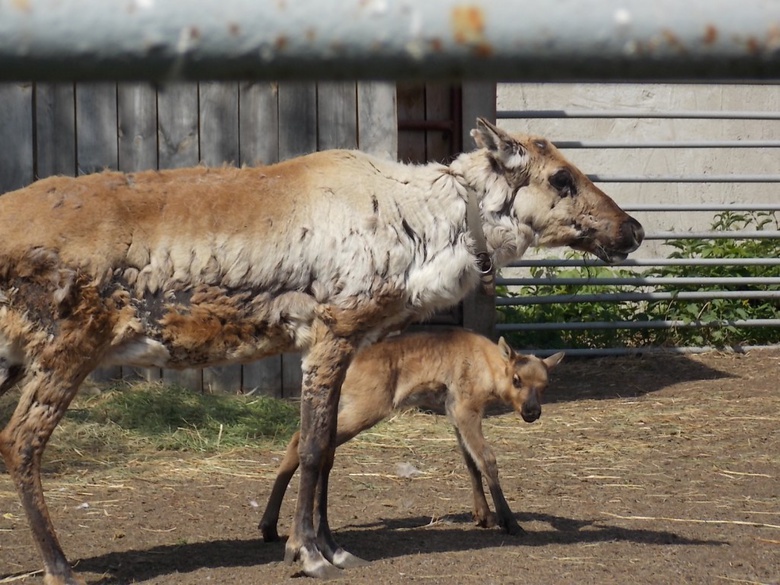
point(394, 537)
point(623, 377)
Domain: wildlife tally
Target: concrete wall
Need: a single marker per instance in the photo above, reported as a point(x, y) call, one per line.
point(661, 98)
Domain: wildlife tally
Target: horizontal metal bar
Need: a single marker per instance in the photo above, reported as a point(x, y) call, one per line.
point(646, 350)
point(615, 325)
point(643, 281)
point(637, 297)
point(578, 144)
point(716, 235)
point(685, 178)
point(55, 40)
point(639, 114)
point(583, 262)
point(701, 207)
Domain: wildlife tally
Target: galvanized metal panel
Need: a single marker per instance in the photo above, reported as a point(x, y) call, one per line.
point(359, 39)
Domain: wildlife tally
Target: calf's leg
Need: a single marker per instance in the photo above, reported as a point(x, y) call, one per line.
point(482, 514)
point(469, 425)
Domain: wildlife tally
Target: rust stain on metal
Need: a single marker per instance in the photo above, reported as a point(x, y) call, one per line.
point(234, 29)
point(281, 43)
point(468, 25)
point(310, 34)
point(673, 40)
point(710, 34)
point(436, 45)
point(753, 45)
point(23, 5)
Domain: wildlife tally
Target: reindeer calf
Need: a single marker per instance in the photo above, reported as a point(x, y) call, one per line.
point(455, 370)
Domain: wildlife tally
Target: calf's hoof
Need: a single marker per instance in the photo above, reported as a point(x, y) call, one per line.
point(269, 531)
point(513, 528)
point(489, 520)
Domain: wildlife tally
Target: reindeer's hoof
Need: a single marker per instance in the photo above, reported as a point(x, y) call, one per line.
point(314, 564)
point(344, 560)
point(269, 531)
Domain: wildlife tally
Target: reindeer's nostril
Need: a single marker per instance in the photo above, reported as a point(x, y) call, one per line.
point(633, 232)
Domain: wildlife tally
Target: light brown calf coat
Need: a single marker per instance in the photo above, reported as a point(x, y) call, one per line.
point(457, 372)
point(323, 254)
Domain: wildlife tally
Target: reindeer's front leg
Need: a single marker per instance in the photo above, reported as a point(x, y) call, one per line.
point(324, 367)
point(469, 426)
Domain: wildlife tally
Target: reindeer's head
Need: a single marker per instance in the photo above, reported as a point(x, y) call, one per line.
point(527, 377)
point(534, 187)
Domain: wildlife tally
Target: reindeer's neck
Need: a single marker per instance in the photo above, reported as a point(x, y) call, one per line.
point(507, 237)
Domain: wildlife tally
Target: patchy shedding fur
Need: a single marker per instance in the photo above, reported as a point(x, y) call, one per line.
point(454, 371)
point(193, 267)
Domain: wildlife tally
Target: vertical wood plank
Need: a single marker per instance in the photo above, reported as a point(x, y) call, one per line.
point(96, 127)
point(16, 136)
point(297, 119)
point(218, 123)
point(337, 115)
point(219, 144)
point(259, 144)
point(438, 107)
point(377, 118)
point(177, 125)
point(258, 123)
point(411, 108)
point(137, 126)
point(97, 150)
point(177, 139)
point(55, 129)
point(297, 136)
point(137, 151)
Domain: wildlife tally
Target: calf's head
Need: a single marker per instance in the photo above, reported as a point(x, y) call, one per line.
point(534, 187)
point(526, 380)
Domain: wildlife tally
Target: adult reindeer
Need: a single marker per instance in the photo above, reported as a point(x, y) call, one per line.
point(321, 254)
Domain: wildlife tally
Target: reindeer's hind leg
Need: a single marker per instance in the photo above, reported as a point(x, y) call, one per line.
point(324, 368)
point(328, 545)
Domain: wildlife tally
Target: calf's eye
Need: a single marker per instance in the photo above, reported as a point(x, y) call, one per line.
point(517, 381)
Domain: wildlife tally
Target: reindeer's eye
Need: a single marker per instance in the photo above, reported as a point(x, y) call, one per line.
point(563, 182)
point(517, 382)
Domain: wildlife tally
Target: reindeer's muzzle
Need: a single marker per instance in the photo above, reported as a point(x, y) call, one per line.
point(531, 410)
point(631, 235)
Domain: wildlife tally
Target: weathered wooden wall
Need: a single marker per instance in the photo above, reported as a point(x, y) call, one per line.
point(71, 129)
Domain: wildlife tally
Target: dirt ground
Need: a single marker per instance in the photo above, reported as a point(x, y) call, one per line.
point(641, 470)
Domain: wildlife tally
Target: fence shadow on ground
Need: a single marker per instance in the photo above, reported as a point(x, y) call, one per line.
point(622, 377)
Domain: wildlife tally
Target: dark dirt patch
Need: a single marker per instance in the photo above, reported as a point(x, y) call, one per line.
point(641, 470)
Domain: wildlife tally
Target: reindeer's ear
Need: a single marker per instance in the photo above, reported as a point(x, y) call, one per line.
point(553, 360)
point(508, 151)
point(506, 352)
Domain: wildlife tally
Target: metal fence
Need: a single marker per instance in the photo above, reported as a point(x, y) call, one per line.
point(628, 283)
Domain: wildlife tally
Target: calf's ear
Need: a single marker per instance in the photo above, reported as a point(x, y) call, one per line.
point(506, 352)
point(505, 149)
point(553, 360)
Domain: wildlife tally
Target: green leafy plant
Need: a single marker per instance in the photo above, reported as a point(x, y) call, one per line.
point(713, 311)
